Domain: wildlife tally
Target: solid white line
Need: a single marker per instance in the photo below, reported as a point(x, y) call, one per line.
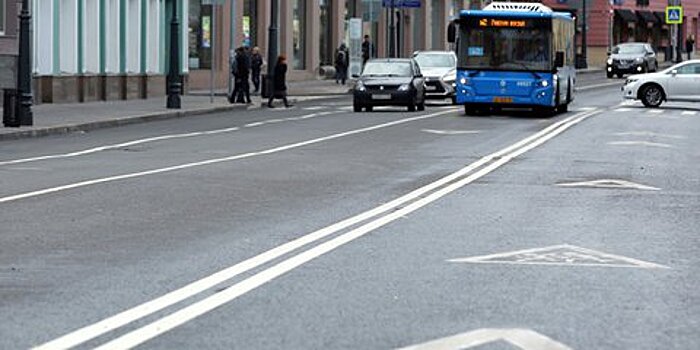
point(157, 138)
point(92, 331)
point(649, 134)
point(212, 161)
point(197, 309)
point(451, 132)
point(623, 109)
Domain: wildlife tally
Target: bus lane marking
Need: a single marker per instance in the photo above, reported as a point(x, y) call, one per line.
point(525, 339)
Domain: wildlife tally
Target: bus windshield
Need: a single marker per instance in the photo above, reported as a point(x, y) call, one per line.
point(512, 49)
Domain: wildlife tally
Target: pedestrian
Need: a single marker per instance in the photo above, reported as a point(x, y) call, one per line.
point(279, 83)
point(341, 64)
point(243, 63)
point(689, 45)
point(367, 50)
point(256, 63)
point(234, 73)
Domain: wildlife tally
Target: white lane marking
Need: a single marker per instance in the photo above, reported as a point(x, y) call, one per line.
point(451, 132)
point(212, 161)
point(648, 134)
point(585, 109)
point(640, 143)
point(560, 255)
point(610, 183)
point(157, 138)
point(655, 111)
point(197, 309)
point(689, 113)
point(314, 108)
point(92, 331)
point(525, 339)
point(623, 109)
point(592, 87)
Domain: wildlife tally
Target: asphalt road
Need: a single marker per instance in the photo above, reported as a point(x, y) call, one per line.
point(319, 228)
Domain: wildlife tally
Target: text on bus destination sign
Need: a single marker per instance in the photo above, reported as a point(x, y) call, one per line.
point(512, 23)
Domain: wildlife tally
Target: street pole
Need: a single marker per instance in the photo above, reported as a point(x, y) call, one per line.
point(213, 53)
point(272, 45)
point(24, 69)
point(392, 31)
point(584, 42)
point(174, 85)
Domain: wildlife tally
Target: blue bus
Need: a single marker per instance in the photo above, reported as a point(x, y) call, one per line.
point(514, 55)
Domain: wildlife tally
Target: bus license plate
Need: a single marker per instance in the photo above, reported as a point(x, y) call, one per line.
point(381, 97)
point(503, 100)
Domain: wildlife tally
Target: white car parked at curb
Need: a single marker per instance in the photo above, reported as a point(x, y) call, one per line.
point(678, 83)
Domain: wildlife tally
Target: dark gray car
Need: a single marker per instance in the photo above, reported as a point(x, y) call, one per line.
point(634, 58)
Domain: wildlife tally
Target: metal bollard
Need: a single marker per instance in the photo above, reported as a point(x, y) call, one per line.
point(9, 109)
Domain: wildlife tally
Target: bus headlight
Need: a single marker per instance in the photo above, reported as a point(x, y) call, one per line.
point(463, 81)
point(544, 83)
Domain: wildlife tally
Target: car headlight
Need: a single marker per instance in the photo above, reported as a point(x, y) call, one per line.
point(610, 61)
point(630, 81)
point(450, 76)
point(404, 87)
point(639, 60)
point(360, 86)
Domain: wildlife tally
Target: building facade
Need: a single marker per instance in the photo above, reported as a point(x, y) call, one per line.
point(8, 43)
point(611, 22)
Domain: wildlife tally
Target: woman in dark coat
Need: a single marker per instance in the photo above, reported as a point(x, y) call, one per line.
point(280, 82)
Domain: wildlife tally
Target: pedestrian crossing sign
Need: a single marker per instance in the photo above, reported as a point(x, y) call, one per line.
point(674, 14)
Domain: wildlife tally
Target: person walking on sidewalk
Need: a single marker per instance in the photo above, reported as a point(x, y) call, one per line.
point(689, 45)
point(243, 62)
point(256, 66)
point(367, 50)
point(279, 82)
point(341, 64)
point(234, 73)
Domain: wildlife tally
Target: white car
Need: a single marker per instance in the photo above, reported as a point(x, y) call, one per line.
point(678, 83)
point(440, 71)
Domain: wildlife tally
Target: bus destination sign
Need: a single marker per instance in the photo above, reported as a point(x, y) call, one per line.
point(508, 23)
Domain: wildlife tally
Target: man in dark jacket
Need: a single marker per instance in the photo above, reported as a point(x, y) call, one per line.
point(341, 64)
point(243, 63)
point(367, 50)
point(689, 45)
point(279, 83)
point(256, 66)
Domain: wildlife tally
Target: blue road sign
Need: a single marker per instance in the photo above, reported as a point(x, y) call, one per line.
point(674, 15)
point(401, 3)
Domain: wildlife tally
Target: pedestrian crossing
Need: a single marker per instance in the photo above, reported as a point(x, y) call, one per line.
point(668, 113)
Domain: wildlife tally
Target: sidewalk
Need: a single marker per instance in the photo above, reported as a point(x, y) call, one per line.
point(318, 87)
point(52, 119)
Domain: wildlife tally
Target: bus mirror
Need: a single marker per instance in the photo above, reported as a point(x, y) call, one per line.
point(559, 59)
point(451, 32)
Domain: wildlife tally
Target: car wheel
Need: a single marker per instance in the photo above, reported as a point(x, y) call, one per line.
point(610, 75)
point(369, 108)
point(652, 95)
point(645, 69)
point(471, 110)
point(620, 75)
point(356, 107)
point(421, 106)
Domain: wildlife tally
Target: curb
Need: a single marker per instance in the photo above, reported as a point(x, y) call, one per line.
point(88, 126)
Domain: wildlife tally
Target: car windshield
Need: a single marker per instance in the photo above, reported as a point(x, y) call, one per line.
point(628, 49)
point(433, 60)
point(390, 69)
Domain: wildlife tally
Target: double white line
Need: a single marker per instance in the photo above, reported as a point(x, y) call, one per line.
point(357, 226)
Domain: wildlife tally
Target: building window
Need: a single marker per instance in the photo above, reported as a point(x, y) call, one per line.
point(199, 35)
point(299, 34)
point(249, 23)
point(2, 17)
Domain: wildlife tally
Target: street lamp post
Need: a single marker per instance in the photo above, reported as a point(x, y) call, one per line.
point(24, 70)
point(174, 84)
point(272, 45)
point(584, 41)
point(392, 31)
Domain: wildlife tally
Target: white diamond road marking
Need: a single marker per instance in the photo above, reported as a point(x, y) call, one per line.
point(524, 339)
point(451, 132)
point(609, 183)
point(560, 255)
point(640, 143)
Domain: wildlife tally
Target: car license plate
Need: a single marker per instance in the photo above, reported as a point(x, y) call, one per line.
point(381, 97)
point(431, 88)
point(503, 100)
